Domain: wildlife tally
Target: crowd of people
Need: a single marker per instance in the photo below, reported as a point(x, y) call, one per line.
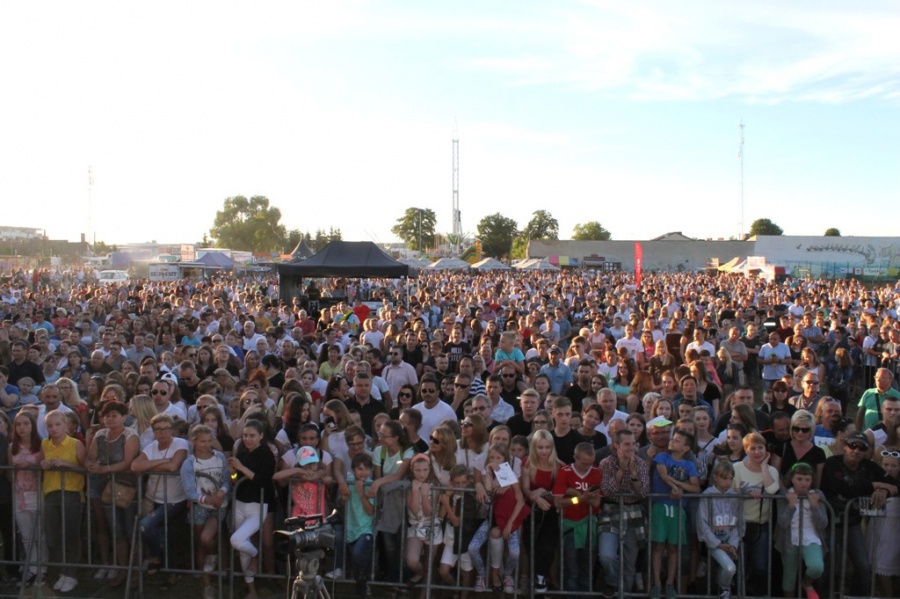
point(660, 429)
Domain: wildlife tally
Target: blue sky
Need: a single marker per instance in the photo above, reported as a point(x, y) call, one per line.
point(622, 112)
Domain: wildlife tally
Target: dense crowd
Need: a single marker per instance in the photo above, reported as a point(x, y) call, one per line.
point(454, 414)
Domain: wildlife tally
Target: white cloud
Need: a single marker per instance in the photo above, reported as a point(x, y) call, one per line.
point(764, 51)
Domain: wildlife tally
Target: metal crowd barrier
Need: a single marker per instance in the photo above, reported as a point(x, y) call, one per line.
point(225, 580)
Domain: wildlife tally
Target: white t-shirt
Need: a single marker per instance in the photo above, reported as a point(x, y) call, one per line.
point(176, 409)
point(160, 488)
point(432, 417)
point(633, 346)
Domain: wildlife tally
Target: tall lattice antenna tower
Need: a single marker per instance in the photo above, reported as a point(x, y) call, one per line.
point(457, 216)
point(90, 235)
point(741, 158)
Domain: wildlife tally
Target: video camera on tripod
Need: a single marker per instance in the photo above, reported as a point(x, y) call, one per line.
point(307, 539)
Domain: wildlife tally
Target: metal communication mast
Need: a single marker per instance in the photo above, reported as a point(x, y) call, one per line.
point(90, 235)
point(457, 217)
point(741, 157)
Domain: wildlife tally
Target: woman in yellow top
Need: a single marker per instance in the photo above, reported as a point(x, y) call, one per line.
point(63, 497)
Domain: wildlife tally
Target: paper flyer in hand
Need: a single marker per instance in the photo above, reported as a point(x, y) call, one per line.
point(505, 475)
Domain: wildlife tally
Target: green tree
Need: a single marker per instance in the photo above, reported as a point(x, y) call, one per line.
point(541, 226)
point(416, 228)
point(292, 239)
point(519, 248)
point(764, 226)
point(591, 231)
point(497, 233)
point(832, 232)
point(320, 240)
point(249, 225)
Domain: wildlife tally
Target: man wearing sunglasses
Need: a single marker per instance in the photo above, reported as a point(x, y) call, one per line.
point(433, 409)
point(809, 397)
point(845, 478)
point(161, 394)
point(397, 372)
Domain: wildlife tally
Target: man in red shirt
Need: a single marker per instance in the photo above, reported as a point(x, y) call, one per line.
point(577, 494)
point(361, 310)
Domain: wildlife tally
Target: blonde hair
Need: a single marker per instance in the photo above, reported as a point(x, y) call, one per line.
point(143, 409)
point(448, 447)
point(541, 435)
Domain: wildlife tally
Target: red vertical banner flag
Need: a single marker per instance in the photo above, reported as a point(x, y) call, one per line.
point(638, 263)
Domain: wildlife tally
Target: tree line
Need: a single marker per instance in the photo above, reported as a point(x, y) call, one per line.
point(254, 224)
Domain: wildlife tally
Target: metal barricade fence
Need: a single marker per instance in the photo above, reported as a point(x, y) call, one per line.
point(130, 565)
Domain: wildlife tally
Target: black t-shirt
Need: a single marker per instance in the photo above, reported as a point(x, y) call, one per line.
point(518, 426)
point(455, 352)
point(565, 446)
point(512, 398)
point(367, 412)
point(813, 457)
point(188, 392)
point(413, 356)
point(840, 484)
point(576, 395)
point(29, 369)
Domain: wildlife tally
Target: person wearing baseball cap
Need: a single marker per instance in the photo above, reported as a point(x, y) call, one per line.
point(848, 477)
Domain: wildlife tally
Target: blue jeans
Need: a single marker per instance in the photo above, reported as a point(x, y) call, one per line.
point(860, 582)
point(609, 558)
point(154, 527)
point(359, 554)
point(577, 565)
point(757, 553)
point(727, 567)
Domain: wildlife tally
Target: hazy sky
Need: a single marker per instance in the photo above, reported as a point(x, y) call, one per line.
point(343, 114)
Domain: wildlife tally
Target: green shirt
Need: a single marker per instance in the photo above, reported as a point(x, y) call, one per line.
point(870, 401)
point(358, 522)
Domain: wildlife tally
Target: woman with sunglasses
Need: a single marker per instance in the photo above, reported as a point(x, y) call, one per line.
point(442, 452)
point(801, 449)
point(780, 396)
point(405, 396)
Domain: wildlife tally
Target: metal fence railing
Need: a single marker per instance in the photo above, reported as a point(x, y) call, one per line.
point(844, 543)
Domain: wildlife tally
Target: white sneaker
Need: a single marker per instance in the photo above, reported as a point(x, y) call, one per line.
point(112, 573)
point(211, 563)
point(509, 586)
point(336, 574)
point(68, 585)
point(58, 583)
point(209, 593)
point(99, 575)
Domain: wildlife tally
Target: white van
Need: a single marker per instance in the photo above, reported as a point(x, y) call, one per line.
point(119, 277)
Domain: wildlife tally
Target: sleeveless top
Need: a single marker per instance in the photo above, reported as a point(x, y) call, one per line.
point(504, 503)
point(68, 480)
point(113, 452)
